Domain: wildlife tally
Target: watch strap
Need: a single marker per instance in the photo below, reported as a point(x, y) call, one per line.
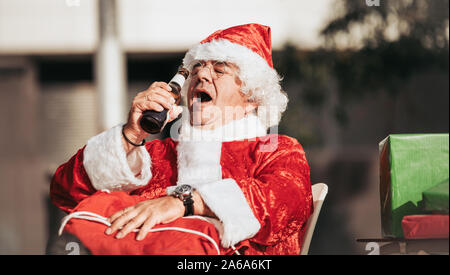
point(189, 206)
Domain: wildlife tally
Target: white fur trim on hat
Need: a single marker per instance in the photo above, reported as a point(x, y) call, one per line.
point(260, 82)
point(109, 167)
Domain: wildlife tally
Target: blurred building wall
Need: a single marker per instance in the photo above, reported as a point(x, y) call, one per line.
point(22, 180)
point(48, 26)
point(70, 26)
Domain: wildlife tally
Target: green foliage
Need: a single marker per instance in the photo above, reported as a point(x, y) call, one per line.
point(400, 38)
point(422, 20)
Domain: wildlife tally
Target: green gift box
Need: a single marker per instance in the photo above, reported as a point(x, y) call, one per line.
point(435, 199)
point(409, 165)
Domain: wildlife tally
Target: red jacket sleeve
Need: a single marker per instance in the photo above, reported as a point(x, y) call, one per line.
point(280, 192)
point(70, 184)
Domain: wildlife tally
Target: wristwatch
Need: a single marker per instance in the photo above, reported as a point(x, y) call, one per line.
point(184, 193)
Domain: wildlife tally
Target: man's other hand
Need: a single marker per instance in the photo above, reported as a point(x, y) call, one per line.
point(145, 215)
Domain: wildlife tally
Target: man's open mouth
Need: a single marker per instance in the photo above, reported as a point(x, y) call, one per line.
point(202, 96)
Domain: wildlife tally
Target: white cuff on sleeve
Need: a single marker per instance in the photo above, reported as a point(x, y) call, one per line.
point(226, 200)
point(108, 166)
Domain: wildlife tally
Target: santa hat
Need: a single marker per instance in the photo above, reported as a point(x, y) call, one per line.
point(249, 48)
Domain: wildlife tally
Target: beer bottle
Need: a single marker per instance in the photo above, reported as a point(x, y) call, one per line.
point(152, 121)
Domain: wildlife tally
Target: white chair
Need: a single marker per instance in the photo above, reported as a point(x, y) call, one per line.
point(319, 192)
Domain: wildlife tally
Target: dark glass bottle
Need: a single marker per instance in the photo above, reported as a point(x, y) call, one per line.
point(152, 121)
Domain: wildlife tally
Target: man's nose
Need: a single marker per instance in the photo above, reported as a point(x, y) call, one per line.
point(205, 74)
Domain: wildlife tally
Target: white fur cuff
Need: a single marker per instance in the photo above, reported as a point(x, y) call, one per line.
point(226, 200)
point(108, 166)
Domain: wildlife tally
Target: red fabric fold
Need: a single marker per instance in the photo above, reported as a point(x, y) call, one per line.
point(169, 242)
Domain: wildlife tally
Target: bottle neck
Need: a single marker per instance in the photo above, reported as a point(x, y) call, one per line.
point(179, 79)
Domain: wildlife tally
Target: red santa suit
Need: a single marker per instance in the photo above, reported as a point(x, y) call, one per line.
point(257, 185)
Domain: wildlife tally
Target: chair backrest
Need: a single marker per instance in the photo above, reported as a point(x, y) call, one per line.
point(319, 192)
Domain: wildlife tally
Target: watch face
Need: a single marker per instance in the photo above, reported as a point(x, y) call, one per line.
point(184, 190)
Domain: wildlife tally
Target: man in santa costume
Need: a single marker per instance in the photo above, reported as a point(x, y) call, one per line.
point(228, 185)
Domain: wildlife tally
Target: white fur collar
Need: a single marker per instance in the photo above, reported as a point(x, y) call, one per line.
point(199, 151)
point(248, 127)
